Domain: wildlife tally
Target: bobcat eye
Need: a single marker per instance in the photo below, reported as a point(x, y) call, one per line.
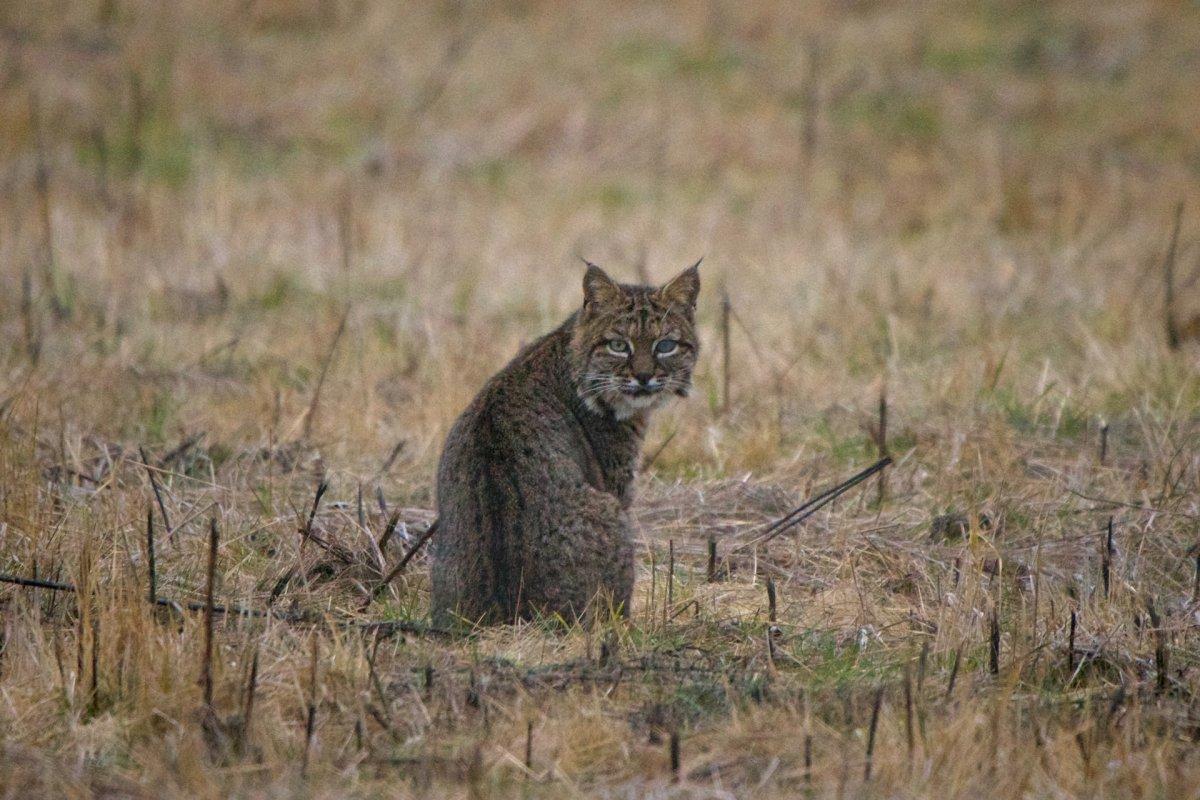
point(618, 347)
point(664, 347)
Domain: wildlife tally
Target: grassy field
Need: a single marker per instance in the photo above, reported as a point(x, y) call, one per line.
point(249, 247)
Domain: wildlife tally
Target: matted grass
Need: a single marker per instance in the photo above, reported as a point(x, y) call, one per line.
point(274, 244)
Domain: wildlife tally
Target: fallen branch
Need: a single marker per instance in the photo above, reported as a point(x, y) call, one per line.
point(57, 586)
point(180, 450)
point(307, 535)
point(815, 504)
point(377, 626)
point(1110, 501)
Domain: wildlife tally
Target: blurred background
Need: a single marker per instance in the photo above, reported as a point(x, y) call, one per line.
point(196, 194)
point(252, 247)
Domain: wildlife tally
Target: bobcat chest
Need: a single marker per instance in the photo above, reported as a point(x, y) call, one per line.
point(609, 451)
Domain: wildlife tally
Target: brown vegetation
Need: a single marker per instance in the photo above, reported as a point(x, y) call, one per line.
point(250, 248)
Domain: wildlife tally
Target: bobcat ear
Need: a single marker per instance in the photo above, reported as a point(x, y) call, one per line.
point(684, 288)
point(598, 288)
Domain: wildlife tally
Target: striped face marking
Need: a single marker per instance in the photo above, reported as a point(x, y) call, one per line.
point(636, 346)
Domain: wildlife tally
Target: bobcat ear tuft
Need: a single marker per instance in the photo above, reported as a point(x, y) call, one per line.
point(598, 288)
point(684, 288)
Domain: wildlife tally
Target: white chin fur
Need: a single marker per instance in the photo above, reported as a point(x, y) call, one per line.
point(623, 406)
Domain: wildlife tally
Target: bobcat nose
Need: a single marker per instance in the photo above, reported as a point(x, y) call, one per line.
point(644, 378)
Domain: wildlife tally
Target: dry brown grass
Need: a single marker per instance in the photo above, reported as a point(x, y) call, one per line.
point(967, 203)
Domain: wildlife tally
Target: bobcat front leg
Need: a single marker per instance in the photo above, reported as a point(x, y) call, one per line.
point(580, 554)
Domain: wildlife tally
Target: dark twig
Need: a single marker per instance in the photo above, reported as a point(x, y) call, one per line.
point(388, 531)
point(313, 404)
point(373, 626)
point(674, 756)
point(881, 427)
point(649, 460)
point(94, 693)
point(994, 644)
point(322, 487)
point(881, 440)
point(871, 733)
point(922, 661)
point(232, 610)
point(815, 504)
point(953, 673)
point(1071, 645)
point(391, 459)
point(473, 699)
point(180, 450)
point(437, 81)
point(670, 578)
point(251, 691)
point(1111, 501)
point(1106, 557)
point(1196, 581)
point(307, 534)
point(412, 551)
point(1160, 649)
point(385, 707)
point(310, 723)
point(811, 100)
point(152, 593)
point(362, 513)
point(78, 649)
point(33, 336)
point(162, 508)
point(808, 741)
point(908, 713)
point(1169, 280)
point(345, 227)
point(214, 538)
point(726, 306)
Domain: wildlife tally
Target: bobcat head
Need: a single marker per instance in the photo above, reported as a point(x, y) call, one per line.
point(634, 347)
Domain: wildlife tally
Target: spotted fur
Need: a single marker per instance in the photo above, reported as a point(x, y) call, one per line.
point(535, 479)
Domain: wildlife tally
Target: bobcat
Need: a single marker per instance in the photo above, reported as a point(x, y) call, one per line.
point(536, 475)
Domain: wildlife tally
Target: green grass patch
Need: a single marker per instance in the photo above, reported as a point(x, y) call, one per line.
point(832, 664)
point(957, 59)
point(663, 58)
point(282, 289)
point(899, 115)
